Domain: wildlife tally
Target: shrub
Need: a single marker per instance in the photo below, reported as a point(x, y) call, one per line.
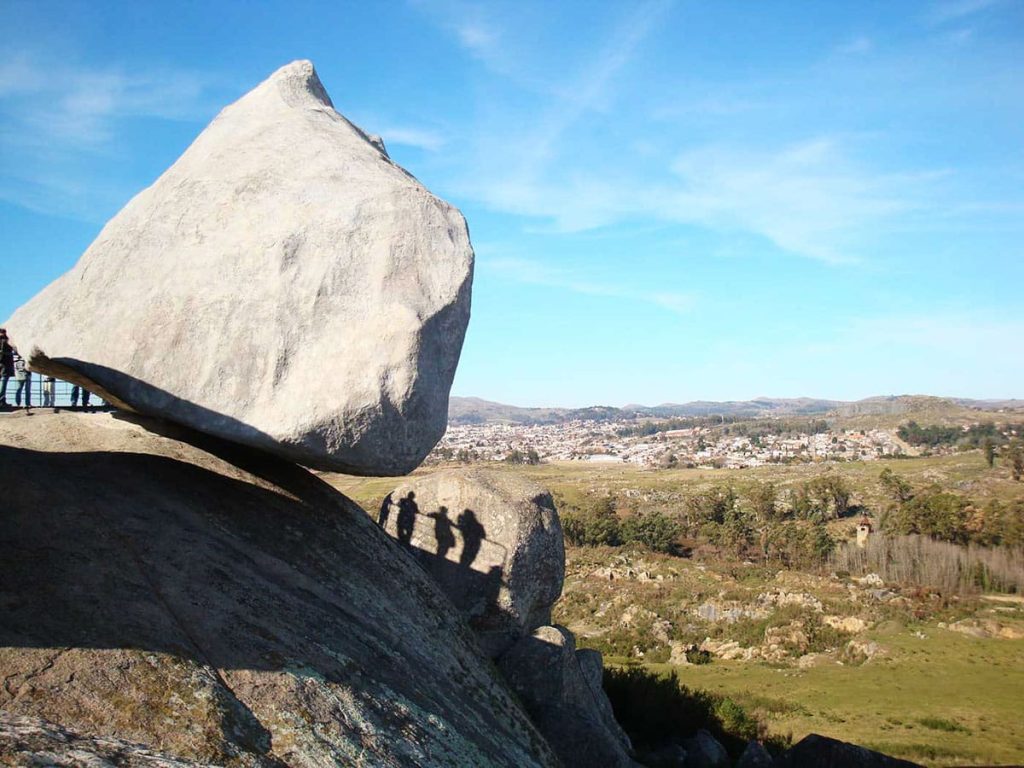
point(594, 528)
point(656, 710)
point(653, 530)
point(938, 724)
point(695, 655)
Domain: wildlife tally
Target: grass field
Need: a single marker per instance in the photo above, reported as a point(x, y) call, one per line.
point(942, 699)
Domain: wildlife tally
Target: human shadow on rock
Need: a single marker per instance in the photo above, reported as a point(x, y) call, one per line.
point(475, 590)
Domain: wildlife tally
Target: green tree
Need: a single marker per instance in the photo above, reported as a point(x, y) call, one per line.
point(1015, 458)
point(990, 451)
point(934, 513)
point(712, 506)
point(598, 526)
point(653, 530)
point(515, 456)
point(896, 487)
point(763, 499)
point(822, 498)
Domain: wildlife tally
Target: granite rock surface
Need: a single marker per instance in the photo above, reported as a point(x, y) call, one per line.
point(491, 540)
point(214, 604)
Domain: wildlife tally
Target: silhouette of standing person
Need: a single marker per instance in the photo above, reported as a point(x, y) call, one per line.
point(443, 534)
point(472, 536)
point(385, 512)
point(407, 510)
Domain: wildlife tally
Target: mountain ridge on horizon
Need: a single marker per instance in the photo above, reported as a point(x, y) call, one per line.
point(476, 410)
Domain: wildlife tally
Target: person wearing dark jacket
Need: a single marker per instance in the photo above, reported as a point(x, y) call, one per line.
point(6, 365)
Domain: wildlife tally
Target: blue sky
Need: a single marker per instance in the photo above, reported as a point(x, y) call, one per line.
point(669, 200)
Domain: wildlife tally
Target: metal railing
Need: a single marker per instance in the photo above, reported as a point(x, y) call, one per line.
point(62, 391)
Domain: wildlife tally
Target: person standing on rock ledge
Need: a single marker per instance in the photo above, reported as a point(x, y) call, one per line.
point(74, 396)
point(24, 378)
point(48, 385)
point(6, 365)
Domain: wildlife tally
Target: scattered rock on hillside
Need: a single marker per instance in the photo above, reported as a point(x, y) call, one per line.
point(850, 624)
point(816, 751)
point(284, 285)
point(561, 689)
point(984, 628)
point(219, 605)
point(493, 542)
point(871, 580)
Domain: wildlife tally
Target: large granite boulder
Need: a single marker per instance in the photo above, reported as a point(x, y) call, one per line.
point(561, 689)
point(492, 540)
point(284, 285)
point(214, 604)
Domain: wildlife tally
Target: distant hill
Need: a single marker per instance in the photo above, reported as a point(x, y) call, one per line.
point(761, 406)
point(474, 410)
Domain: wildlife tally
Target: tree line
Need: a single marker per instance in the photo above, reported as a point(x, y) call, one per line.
point(757, 521)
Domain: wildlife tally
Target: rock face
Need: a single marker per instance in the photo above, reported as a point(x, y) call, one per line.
point(217, 605)
point(35, 742)
point(816, 751)
point(491, 540)
point(754, 756)
point(494, 544)
point(704, 751)
point(284, 285)
point(561, 689)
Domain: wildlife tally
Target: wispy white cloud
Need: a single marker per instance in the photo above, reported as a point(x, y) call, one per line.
point(590, 91)
point(855, 46)
point(55, 116)
point(422, 138)
point(477, 36)
point(534, 273)
point(808, 198)
point(955, 10)
point(812, 198)
point(961, 36)
point(80, 105)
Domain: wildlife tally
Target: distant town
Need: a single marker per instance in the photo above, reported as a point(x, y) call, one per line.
point(698, 446)
point(729, 435)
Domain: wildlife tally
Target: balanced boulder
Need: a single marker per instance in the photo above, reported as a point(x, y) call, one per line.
point(284, 285)
point(493, 542)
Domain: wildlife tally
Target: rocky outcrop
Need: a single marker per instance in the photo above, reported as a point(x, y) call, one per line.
point(30, 741)
point(493, 542)
point(704, 751)
point(284, 285)
point(560, 688)
point(754, 756)
point(213, 604)
point(816, 751)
